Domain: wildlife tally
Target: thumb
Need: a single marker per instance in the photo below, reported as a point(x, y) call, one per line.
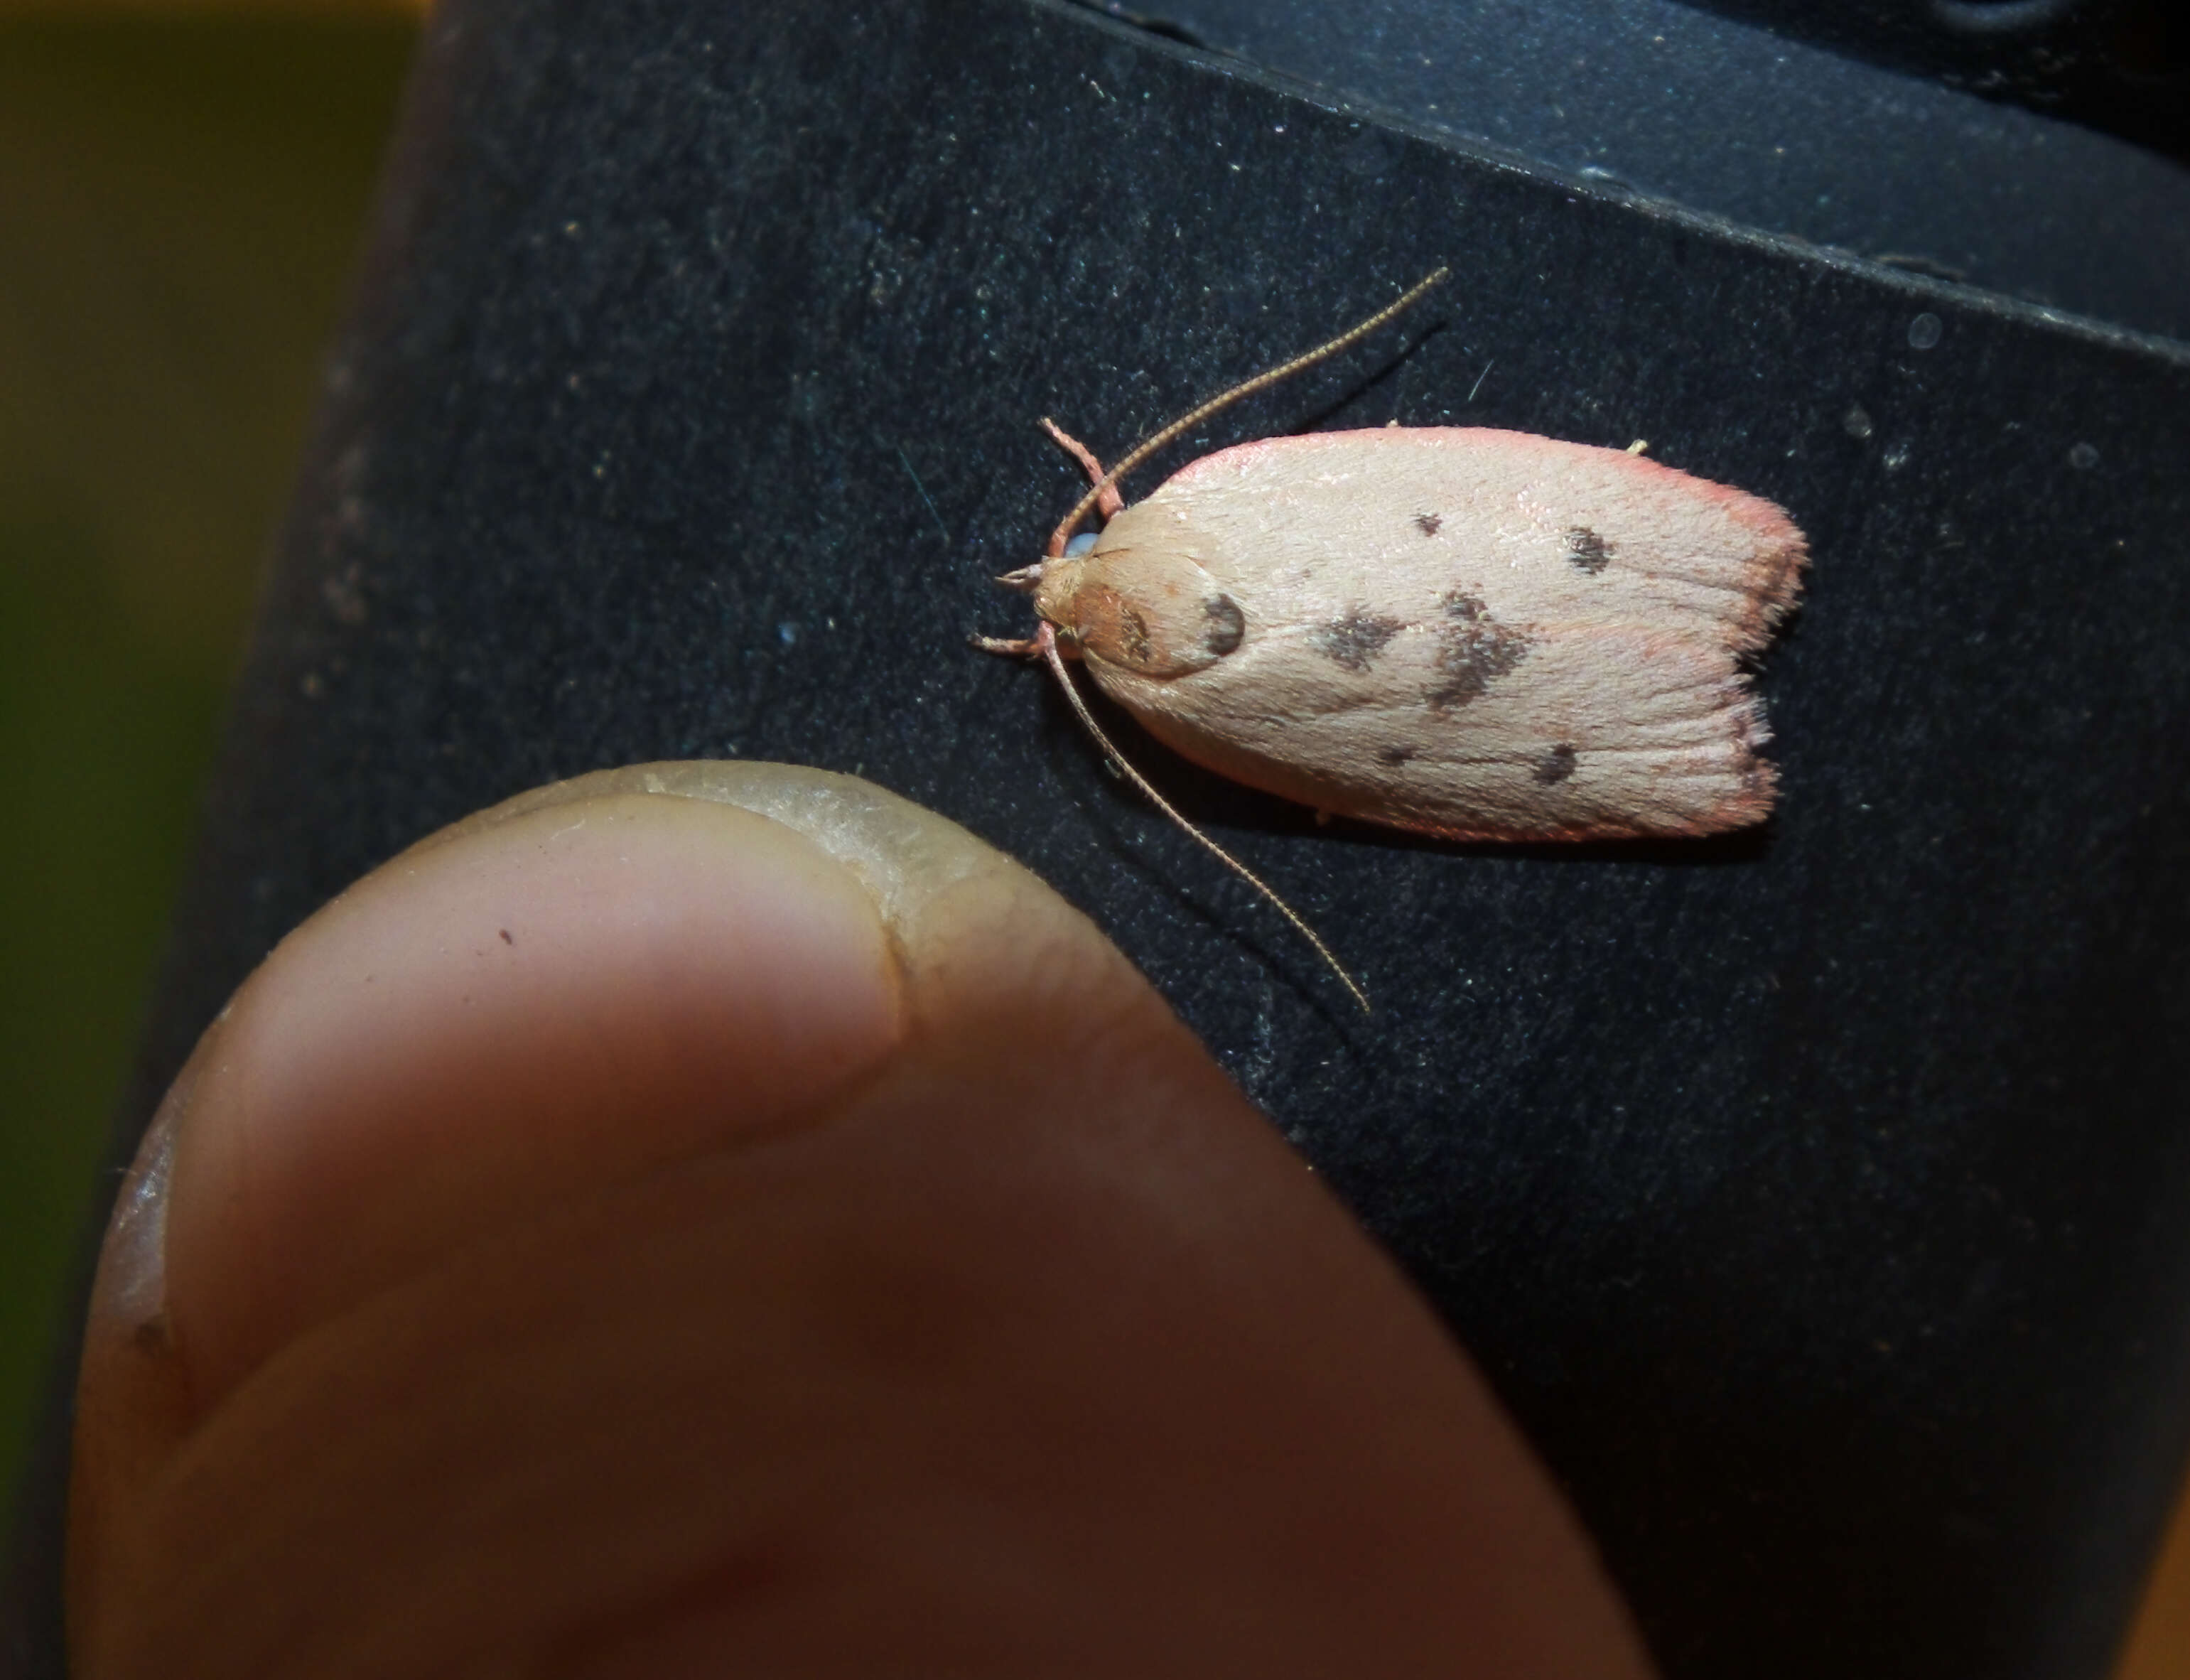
point(707, 1218)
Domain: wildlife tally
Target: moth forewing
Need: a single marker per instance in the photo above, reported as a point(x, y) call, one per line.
point(1474, 633)
point(1554, 529)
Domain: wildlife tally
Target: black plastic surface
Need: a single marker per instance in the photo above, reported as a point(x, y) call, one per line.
point(1769, 130)
point(1818, 1200)
point(2119, 65)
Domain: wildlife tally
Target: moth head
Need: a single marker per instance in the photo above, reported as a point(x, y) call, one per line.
point(1152, 614)
point(1027, 580)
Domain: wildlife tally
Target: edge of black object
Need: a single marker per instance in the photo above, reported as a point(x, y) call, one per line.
point(1814, 1199)
point(1658, 98)
point(2121, 65)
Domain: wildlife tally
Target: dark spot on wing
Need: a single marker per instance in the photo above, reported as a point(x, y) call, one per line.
point(1586, 551)
point(506, 938)
point(1226, 627)
point(1354, 640)
point(1395, 755)
point(1429, 524)
point(1475, 649)
point(1556, 765)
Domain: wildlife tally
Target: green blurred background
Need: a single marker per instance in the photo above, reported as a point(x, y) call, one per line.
point(181, 197)
point(182, 191)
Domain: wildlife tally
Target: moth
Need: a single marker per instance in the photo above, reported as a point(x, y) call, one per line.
point(1479, 635)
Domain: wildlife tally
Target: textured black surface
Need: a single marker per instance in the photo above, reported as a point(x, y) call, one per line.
point(1817, 1199)
point(1776, 133)
point(2121, 65)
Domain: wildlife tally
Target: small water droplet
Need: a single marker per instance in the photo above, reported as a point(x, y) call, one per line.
point(1856, 423)
point(1924, 332)
point(2083, 458)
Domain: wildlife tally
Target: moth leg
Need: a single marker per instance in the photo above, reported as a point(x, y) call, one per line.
point(1109, 501)
point(1104, 496)
point(1046, 643)
point(1028, 647)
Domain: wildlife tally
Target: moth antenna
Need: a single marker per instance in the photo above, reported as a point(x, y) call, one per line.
point(1224, 400)
point(1045, 642)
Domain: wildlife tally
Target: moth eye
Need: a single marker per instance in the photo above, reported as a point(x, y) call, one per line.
point(1080, 544)
point(1227, 625)
point(1586, 551)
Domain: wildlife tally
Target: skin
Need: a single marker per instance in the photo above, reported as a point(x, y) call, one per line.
point(802, 1246)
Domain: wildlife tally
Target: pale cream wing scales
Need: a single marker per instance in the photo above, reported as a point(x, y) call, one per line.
point(1539, 528)
point(1613, 731)
point(1479, 633)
